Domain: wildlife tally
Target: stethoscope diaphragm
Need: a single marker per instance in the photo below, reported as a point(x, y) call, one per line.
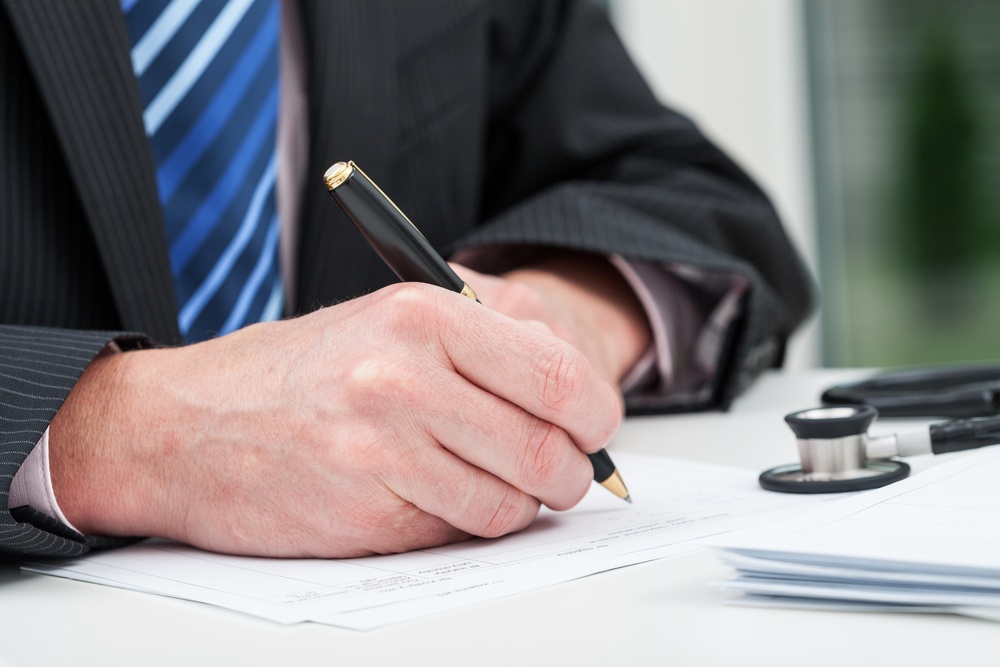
point(791, 478)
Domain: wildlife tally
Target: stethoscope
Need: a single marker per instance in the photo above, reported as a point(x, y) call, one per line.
point(836, 453)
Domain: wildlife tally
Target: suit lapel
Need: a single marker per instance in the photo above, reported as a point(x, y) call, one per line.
point(90, 93)
point(352, 75)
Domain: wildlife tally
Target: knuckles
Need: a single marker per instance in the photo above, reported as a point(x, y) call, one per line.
point(552, 462)
point(512, 512)
point(380, 387)
point(559, 372)
point(543, 455)
point(409, 309)
point(392, 527)
point(564, 387)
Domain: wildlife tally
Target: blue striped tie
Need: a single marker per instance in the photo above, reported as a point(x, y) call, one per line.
point(208, 77)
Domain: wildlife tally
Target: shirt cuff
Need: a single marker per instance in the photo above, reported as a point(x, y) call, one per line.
point(32, 483)
point(690, 313)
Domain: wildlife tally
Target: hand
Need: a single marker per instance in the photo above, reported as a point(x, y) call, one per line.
point(404, 419)
point(582, 298)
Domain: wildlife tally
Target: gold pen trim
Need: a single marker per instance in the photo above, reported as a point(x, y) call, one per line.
point(615, 485)
point(337, 174)
point(469, 292)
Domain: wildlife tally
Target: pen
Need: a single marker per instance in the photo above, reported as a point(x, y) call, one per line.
point(401, 245)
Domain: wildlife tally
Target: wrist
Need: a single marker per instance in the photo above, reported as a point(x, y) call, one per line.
point(605, 313)
point(98, 453)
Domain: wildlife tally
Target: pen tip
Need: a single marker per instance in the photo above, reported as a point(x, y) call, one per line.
point(628, 499)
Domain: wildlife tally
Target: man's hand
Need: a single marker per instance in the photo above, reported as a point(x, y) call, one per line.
point(407, 418)
point(582, 298)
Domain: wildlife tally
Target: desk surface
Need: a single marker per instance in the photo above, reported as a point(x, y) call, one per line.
point(662, 612)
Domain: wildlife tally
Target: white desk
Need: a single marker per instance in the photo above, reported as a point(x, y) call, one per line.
point(660, 613)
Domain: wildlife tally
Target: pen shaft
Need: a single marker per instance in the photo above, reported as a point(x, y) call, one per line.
point(396, 240)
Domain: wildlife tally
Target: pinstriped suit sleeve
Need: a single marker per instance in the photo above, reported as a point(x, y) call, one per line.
point(38, 368)
point(581, 155)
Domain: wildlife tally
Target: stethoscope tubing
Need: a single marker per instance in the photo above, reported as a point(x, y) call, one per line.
point(959, 392)
point(961, 434)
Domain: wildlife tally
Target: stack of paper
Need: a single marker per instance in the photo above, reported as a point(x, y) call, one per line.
point(929, 543)
point(676, 505)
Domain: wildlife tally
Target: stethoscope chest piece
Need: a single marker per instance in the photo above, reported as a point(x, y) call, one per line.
point(832, 445)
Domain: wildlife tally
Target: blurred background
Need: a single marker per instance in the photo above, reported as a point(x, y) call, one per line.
point(875, 127)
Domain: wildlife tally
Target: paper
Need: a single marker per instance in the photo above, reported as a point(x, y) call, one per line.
point(929, 543)
point(677, 504)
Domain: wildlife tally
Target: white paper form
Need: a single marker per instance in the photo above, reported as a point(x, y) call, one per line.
point(681, 503)
point(932, 542)
point(676, 504)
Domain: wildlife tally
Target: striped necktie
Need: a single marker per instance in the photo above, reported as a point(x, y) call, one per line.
point(208, 79)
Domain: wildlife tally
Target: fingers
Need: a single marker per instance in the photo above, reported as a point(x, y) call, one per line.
point(529, 368)
point(513, 299)
point(522, 405)
point(467, 415)
point(394, 528)
point(461, 453)
point(523, 450)
point(464, 495)
point(539, 373)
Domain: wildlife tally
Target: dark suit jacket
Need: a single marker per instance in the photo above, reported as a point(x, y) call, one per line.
point(513, 122)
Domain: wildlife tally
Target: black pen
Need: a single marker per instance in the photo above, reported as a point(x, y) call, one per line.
point(401, 245)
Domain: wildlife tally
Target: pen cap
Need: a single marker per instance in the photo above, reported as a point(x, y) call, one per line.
point(397, 241)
